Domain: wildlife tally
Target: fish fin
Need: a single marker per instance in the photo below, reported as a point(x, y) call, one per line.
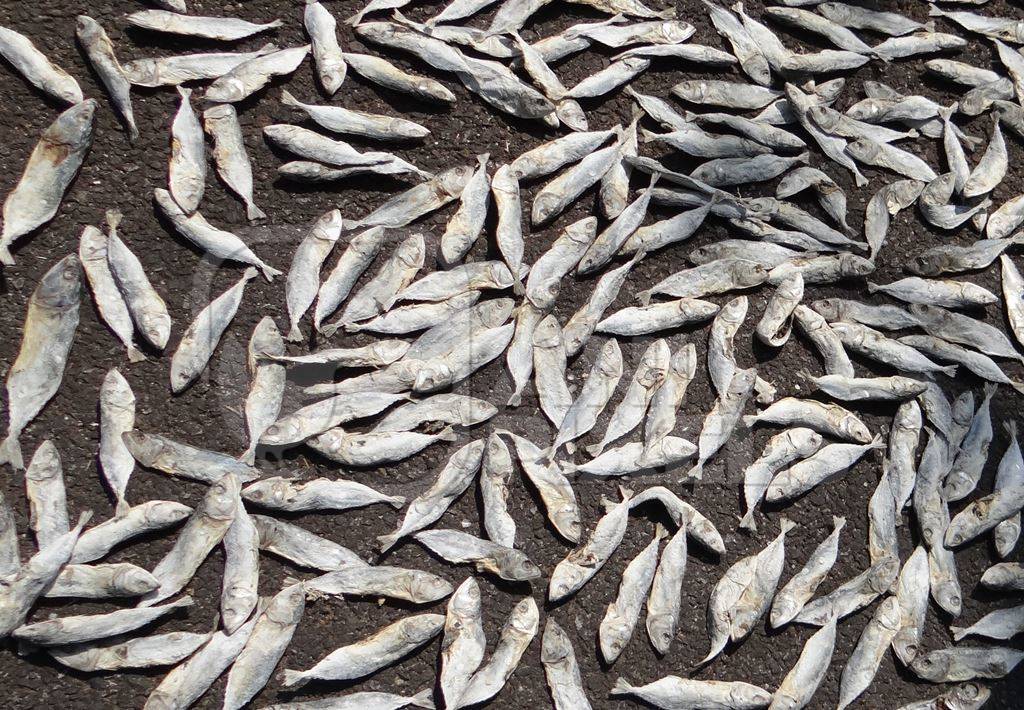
point(594, 450)
point(135, 355)
point(621, 687)
point(288, 100)
point(447, 434)
point(293, 679)
point(330, 329)
point(10, 452)
point(423, 699)
point(249, 455)
point(397, 502)
point(254, 213)
point(269, 272)
point(294, 335)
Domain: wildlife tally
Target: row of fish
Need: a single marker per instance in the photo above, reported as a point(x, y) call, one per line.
point(459, 330)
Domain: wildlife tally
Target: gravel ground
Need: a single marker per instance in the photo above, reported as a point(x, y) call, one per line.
point(208, 414)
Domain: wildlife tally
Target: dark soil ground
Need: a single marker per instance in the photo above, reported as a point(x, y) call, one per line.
point(122, 176)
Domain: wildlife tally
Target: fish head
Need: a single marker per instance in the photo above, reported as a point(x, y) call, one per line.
point(744, 695)
point(519, 568)
point(454, 180)
point(674, 31)
point(87, 28)
point(783, 610)
point(927, 264)
point(662, 630)
point(474, 411)
point(422, 628)
point(826, 118)
point(524, 616)
point(466, 600)
point(227, 89)
point(564, 579)
point(146, 449)
point(135, 581)
point(548, 333)
point(968, 695)
point(572, 115)
point(854, 265)
point(831, 309)
point(495, 312)
point(933, 666)
point(222, 500)
point(271, 492)
point(555, 643)
point(806, 441)
point(390, 350)
point(433, 376)
point(544, 205)
point(286, 608)
point(425, 588)
point(615, 633)
point(165, 512)
point(61, 286)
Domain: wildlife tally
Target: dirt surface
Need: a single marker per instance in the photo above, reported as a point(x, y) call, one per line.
point(118, 175)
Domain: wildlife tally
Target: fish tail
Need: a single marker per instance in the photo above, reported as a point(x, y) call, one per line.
point(10, 452)
point(872, 287)
point(1010, 426)
point(785, 525)
point(749, 420)
point(1019, 386)
point(594, 450)
point(254, 213)
point(447, 434)
point(396, 501)
point(275, 23)
point(330, 329)
point(621, 687)
point(696, 472)
point(958, 632)
point(949, 370)
point(294, 334)
point(121, 508)
point(929, 26)
point(269, 272)
point(423, 699)
point(5, 255)
point(936, 12)
point(568, 467)
point(515, 399)
point(644, 297)
point(133, 132)
point(287, 99)
point(747, 521)
point(387, 542)
point(294, 679)
point(249, 455)
point(135, 355)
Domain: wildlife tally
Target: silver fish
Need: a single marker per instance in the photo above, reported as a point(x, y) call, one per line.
point(647, 378)
point(187, 172)
point(862, 18)
point(545, 278)
point(554, 488)
point(144, 304)
point(708, 279)
point(495, 475)
point(828, 419)
point(386, 74)
point(117, 416)
point(266, 388)
point(205, 528)
point(137, 520)
point(175, 70)
point(229, 155)
point(463, 643)
point(361, 250)
point(50, 168)
point(100, 51)
point(776, 322)
point(951, 665)
point(245, 79)
point(44, 487)
point(459, 547)
point(92, 252)
point(226, 29)
point(721, 421)
point(302, 547)
point(516, 635)
point(549, 361)
point(520, 354)
point(1004, 576)
point(583, 563)
point(675, 692)
point(918, 43)
point(826, 341)
point(240, 587)
point(321, 27)
point(895, 353)
point(373, 448)
point(451, 482)
point(453, 409)
point(406, 207)
point(854, 594)
point(781, 450)
point(968, 696)
point(621, 616)
point(47, 334)
point(867, 655)
point(945, 293)
point(380, 580)
point(277, 493)
point(582, 323)
point(303, 280)
point(561, 669)
point(117, 654)
point(464, 228)
point(593, 397)
point(799, 590)
point(215, 242)
point(202, 336)
point(80, 629)
point(558, 194)
point(37, 68)
point(267, 642)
